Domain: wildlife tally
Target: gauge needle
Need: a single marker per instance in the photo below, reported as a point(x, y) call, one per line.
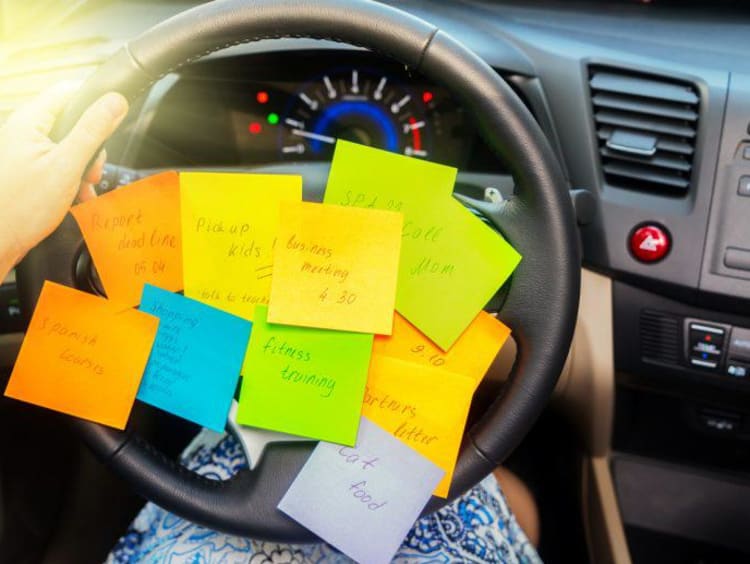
point(314, 136)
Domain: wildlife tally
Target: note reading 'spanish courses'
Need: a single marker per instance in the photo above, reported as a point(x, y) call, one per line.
point(229, 228)
point(336, 268)
point(196, 359)
point(302, 381)
point(451, 262)
point(471, 355)
point(424, 407)
point(83, 355)
point(362, 500)
point(133, 235)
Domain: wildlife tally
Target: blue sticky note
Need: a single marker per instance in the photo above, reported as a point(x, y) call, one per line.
point(196, 359)
point(364, 499)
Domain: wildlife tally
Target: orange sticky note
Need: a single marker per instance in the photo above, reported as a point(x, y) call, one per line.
point(424, 407)
point(133, 235)
point(83, 355)
point(335, 267)
point(471, 355)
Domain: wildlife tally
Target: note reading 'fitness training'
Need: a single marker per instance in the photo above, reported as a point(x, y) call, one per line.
point(133, 235)
point(229, 228)
point(196, 359)
point(448, 255)
point(424, 407)
point(362, 500)
point(471, 355)
point(73, 358)
point(303, 381)
point(336, 268)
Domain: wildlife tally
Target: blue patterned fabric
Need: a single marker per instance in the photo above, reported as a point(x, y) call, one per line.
point(477, 527)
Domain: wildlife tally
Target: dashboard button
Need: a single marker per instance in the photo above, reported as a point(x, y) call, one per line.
point(650, 243)
point(746, 151)
point(706, 344)
point(743, 188)
point(739, 344)
point(737, 258)
point(737, 369)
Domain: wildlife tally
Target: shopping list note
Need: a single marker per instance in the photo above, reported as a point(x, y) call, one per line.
point(422, 406)
point(302, 381)
point(133, 235)
point(196, 359)
point(471, 355)
point(451, 262)
point(83, 355)
point(362, 500)
point(229, 224)
point(336, 267)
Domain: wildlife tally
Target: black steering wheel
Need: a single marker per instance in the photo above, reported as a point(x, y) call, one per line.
point(541, 302)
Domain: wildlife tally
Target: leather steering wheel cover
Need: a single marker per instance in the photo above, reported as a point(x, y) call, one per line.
point(543, 298)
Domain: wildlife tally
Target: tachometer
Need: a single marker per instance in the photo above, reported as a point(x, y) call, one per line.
point(356, 105)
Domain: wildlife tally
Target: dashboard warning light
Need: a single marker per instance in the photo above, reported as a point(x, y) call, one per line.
point(427, 96)
point(254, 128)
point(262, 97)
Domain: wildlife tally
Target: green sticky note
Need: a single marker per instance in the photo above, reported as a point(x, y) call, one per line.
point(451, 262)
point(302, 381)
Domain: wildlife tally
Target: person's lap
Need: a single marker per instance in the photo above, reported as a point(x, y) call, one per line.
point(477, 527)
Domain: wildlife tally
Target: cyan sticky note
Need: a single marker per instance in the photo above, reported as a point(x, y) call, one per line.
point(196, 359)
point(363, 499)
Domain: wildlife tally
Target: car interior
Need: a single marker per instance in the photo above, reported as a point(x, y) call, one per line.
point(632, 333)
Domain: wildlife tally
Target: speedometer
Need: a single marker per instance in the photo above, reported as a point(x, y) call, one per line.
point(356, 105)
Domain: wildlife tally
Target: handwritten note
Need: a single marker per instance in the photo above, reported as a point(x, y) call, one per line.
point(422, 406)
point(196, 359)
point(302, 381)
point(336, 268)
point(83, 355)
point(362, 500)
point(471, 355)
point(229, 225)
point(451, 262)
point(133, 235)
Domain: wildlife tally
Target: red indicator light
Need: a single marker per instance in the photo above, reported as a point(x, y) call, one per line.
point(255, 128)
point(427, 96)
point(262, 97)
point(708, 338)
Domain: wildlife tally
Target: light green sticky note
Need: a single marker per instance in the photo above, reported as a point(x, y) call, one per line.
point(302, 381)
point(451, 262)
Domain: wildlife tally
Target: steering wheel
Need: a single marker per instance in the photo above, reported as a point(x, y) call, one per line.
point(542, 299)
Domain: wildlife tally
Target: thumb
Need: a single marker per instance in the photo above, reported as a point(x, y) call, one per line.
point(97, 123)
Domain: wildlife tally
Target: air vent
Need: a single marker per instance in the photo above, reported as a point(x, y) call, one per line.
point(660, 336)
point(647, 129)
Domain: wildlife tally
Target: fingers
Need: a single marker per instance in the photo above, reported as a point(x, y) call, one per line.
point(97, 123)
point(96, 170)
point(41, 113)
point(86, 192)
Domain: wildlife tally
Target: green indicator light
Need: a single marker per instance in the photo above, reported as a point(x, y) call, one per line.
point(273, 118)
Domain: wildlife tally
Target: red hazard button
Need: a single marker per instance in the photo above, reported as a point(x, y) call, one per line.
point(650, 243)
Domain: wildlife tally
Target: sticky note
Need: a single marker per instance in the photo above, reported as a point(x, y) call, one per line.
point(422, 406)
point(362, 500)
point(83, 355)
point(229, 225)
point(196, 358)
point(133, 235)
point(302, 381)
point(471, 355)
point(451, 262)
point(336, 267)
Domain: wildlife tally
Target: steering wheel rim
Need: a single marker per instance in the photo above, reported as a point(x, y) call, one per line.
point(542, 300)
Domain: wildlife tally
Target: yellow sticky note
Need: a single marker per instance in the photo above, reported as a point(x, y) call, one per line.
point(336, 267)
point(83, 355)
point(424, 407)
point(229, 228)
point(471, 355)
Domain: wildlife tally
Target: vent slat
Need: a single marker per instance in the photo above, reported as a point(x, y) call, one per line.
point(647, 127)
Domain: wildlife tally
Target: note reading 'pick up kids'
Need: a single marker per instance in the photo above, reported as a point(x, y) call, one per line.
point(336, 268)
point(302, 381)
point(229, 228)
point(195, 362)
point(362, 500)
point(83, 355)
point(133, 235)
point(451, 262)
